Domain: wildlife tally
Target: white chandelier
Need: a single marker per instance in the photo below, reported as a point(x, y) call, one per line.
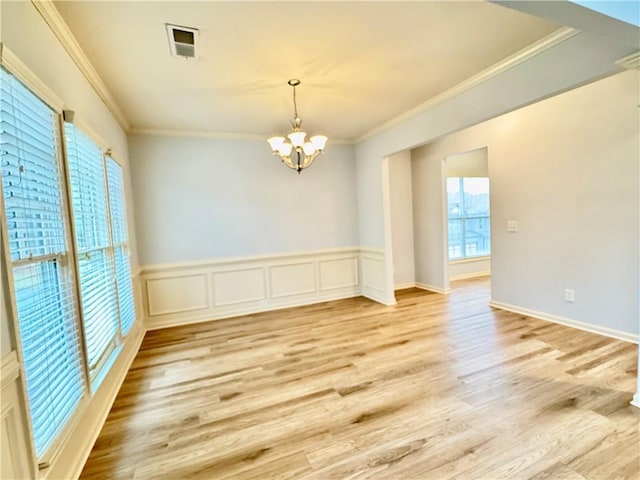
point(305, 151)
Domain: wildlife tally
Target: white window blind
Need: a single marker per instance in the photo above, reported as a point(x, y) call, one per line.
point(119, 236)
point(45, 301)
point(93, 245)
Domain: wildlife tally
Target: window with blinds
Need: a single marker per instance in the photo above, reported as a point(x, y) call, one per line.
point(51, 319)
point(39, 261)
point(106, 292)
point(120, 244)
point(96, 269)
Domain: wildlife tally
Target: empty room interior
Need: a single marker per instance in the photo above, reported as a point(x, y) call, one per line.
point(320, 240)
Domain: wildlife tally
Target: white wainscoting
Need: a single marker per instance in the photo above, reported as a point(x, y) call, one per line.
point(374, 276)
point(178, 294)
point(16, 460)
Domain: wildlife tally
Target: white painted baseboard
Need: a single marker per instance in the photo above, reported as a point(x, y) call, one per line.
point(402, 286)
point(588, 327)
point(180, 294)
point(464, 276)
point(433, 288)
point(636, 400)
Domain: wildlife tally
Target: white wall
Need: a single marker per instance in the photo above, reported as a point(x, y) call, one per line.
point(468, 164)
point(561, 67)
point(401, 203)
point(199, 199)
point(370, 206)
point(470, 268)
point(429, 219)
point(567, 170)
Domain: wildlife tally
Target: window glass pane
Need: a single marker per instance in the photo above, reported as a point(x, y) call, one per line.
point(476, 196)
point(477, 237)
point(119, 232)
point(116, 202)
point(88, 190)
point(30, 176)
point(49, 344)
point(125, 290)
point(468, 212)
point(97, 290)
point(455, 239)
point(454, 199)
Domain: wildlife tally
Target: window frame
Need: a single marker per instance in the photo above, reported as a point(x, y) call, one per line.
point(100, 369)
point(94, 372)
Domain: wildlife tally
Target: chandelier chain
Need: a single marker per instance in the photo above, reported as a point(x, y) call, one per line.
point(295, 105)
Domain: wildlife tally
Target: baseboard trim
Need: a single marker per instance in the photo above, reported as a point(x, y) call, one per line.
point(433, 288)
point(402, 286)
point(378, 297)
point(567, 322)
point(75, 453)
point(636, 400)
point(465, 276)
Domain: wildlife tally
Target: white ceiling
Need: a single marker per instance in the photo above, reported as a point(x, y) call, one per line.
point(361, 63)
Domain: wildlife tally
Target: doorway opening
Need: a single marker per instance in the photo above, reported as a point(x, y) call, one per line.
point(468, 215)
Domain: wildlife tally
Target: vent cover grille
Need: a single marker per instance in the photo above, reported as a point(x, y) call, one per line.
point(182, 41)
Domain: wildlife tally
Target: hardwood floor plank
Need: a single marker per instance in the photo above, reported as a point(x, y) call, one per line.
point(436, 387)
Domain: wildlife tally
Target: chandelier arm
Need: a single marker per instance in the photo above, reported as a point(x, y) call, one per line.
point(287, 161)
point(309, 160)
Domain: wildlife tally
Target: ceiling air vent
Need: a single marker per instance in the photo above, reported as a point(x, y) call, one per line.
point(182, 41)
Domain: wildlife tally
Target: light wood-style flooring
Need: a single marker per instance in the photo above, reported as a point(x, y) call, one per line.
point(437, 387)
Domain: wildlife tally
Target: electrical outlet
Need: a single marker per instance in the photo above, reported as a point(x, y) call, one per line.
point(569, 295)
point(512, 226)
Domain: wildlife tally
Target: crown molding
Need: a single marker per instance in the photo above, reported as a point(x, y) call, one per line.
point(517, 58)
point(217, 135)
point(60, 29)
point(630, 62)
